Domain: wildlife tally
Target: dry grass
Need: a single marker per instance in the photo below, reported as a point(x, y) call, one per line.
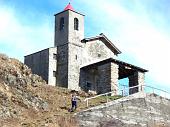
point(102, 99)
point(59, 100)
point(12, 99)
point(57, 115)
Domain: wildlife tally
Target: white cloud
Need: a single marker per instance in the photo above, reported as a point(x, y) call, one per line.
point(24, 38)
point(138, 37)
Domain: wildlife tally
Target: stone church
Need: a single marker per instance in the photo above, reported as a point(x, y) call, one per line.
point(79, 63)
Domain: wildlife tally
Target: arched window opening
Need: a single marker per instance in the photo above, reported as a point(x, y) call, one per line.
point(76, 24)
point(61, 23)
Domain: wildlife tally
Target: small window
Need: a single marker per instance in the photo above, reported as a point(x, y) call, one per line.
point(76, 24)
point(88, 85)
point(76, 57)
point(54, 74)
point(62, 23)
point(55, 56)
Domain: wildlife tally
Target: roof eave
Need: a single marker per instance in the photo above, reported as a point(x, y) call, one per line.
point(117, 50)
point(69, 10)
point(117, 62)
point(100, 37)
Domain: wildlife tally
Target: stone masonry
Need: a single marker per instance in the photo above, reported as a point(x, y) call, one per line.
point(80, 63)
point(43, 64)
point(104, 78)
point(114, 78)
point(137, 110)
point(136, 79)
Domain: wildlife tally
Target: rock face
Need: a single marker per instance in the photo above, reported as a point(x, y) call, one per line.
point(138, 110)
point(13, 72)
point(27, 101)
point(15, 78)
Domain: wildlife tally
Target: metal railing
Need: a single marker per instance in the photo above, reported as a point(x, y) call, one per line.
point(146, 89)
point(105, 94)
point(126, 91)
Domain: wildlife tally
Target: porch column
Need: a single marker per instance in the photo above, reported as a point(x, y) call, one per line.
point(114, 78)
point(104, 84)
point(137, 79)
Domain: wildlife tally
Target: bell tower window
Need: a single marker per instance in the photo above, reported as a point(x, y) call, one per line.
point(62, 23)
point(76, 24)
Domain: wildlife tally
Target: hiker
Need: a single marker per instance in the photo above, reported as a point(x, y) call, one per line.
point(74, 100)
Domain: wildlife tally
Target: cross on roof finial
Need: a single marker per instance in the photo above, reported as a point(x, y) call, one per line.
point(70, 1)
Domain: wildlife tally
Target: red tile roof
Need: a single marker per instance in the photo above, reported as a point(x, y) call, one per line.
point(69, 7)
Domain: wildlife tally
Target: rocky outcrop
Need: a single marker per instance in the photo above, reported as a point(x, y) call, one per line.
point(27, 101)
point(17, 74)
point(138, 110)
point(15, 79)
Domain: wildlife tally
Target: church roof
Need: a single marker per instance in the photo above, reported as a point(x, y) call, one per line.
point(105, 40)
point(69, 7)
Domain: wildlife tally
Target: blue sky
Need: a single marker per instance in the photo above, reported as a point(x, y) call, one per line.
point(139, 28)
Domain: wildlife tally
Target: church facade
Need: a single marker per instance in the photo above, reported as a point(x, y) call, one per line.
point(80, 63)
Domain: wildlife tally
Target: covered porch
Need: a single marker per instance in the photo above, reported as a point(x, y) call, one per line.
point(103, 76)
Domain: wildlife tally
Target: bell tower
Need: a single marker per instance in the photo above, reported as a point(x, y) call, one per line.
point(69, 26)
point(69, 31)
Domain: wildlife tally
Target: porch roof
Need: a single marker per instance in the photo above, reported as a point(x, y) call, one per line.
point(125, 69)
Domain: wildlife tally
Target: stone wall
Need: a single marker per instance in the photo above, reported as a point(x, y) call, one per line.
point(89, 77)
point(103, 78)
point(43, 63)
point(68, 34)
point(61, 36)
point(52, 66)
point(138, 78)
point(39, 63)
point(96, 79)
point(99, 78)
point(141, 80)
point(95, 51)
point(74, 63)
point(108, 78)
point(137, 110)
point(75, 36)
point(114, 78)
point(69, 49)
point(62, 66)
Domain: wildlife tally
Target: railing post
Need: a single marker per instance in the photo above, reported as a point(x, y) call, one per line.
point(122, 93)
point(124, 89)
point(87, 103)
point(107, 98)
point(141, 88)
